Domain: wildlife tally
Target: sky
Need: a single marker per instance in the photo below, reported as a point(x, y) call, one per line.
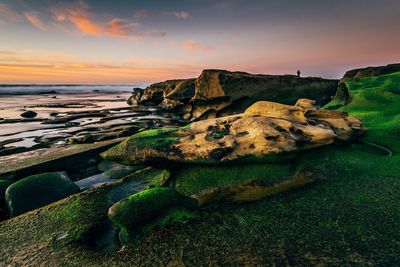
point(140, 42)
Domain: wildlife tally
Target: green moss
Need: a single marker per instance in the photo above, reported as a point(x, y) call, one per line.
point(140, 208)
point(193, 179)
point(159, 178)
point(173, 217)
point(375, 100)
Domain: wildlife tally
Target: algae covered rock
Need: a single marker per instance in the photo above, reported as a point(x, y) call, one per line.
point(37, 191)
point(143, 207)
point(267, 131)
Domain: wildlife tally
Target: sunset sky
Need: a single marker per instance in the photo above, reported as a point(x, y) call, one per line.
point(139, 42)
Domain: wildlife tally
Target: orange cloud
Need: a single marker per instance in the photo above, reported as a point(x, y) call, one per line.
point(33, 18)
point(87, 23)
point(192, 45)
point(119, 27)
point(78, 17)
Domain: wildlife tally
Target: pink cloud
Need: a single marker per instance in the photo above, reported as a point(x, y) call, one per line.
point(33, 18)
point(192, 45)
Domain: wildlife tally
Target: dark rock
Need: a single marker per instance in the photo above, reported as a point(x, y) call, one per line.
point(28, 114)
point(134, 99)
point(37, 191)
point(371, 71)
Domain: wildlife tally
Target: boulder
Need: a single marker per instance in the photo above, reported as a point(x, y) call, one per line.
point(37, 191)
point(29, 114)
point(266, 131)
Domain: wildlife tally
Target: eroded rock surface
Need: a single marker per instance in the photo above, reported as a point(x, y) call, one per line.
point(265, 131)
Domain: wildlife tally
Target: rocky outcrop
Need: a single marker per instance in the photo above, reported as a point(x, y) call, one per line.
point(266, 131)
point(217, 93)
point(371, 71)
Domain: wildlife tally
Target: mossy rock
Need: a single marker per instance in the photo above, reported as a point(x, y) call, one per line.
point(115, 170)
point(150, 142)
point(37, 191)
point(143, 207)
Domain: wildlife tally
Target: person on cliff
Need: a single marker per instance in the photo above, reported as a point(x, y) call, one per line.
point(298, 73)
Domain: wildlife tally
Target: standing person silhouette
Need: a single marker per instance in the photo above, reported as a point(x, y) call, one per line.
point(298, 73)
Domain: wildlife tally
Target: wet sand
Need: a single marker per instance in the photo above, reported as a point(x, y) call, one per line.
point(11, 106)
point(72, 118)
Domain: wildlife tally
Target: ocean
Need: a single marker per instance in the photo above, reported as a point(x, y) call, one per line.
point(65, 89)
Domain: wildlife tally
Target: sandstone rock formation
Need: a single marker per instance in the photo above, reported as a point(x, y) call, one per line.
point(217, 93)
point(266, 131)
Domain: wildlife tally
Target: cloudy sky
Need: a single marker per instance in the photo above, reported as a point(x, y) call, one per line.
point(139, 42)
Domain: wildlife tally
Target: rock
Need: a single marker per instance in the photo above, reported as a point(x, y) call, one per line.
point(134, 99)
point(93, 181)
point(371, 71)
point(306, 104)
point(71, 123)
point(37, 191)
point(278, 111)
point(115, 170)
point(72, 159)
point(28, 114)
point(213, 84)
point(143, 207)
point(265, 132)
point(53, 114)
point(217, 93)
